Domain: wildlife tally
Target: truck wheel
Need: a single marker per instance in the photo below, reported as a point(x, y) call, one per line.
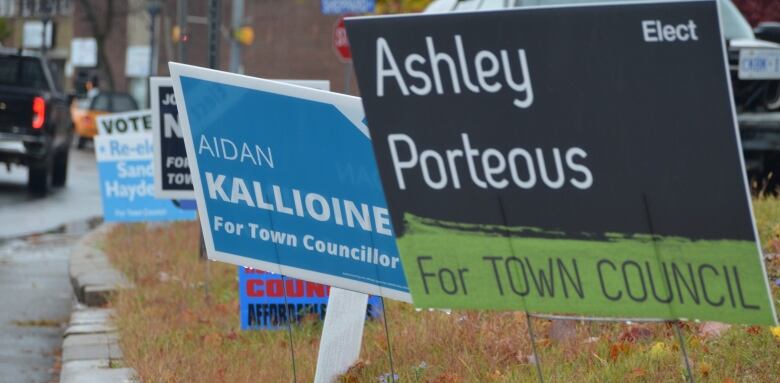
point(60, 168)
point(38, 179)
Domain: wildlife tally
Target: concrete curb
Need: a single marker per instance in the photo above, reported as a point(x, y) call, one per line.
point(90, 348)
point(91, 274)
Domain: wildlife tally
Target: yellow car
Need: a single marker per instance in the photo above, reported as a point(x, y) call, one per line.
point(84, 111)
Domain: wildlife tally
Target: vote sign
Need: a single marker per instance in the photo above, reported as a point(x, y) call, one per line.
point(285, 181)
point(270, 301)
point(597, 175)
point(123, 150)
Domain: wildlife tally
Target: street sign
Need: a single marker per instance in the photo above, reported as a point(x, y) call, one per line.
point(33, 34)
point(285, 181)
point(137, 60)
point(123, 149)
point(83, 52)
point(171, 167)
point(269, 301)
point(346, 7)
point(341, 42)
point(598, 175)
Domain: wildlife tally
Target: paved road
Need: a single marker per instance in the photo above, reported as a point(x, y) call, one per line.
point(21, 214)
point(35, 301)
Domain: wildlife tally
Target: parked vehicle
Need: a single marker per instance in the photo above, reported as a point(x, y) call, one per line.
point(35, 126)
point(755, 79)
point(84, 111)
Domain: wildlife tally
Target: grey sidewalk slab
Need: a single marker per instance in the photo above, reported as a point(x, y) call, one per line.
point(90, 339)
point(94, 371)
point(90, 316)
point(89, 329)
point(91, 352)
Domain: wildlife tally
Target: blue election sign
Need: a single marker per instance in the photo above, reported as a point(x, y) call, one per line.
point(123, 149)
point(286, 181)
point(264, 304)
point(346, 7)
point(186, 204)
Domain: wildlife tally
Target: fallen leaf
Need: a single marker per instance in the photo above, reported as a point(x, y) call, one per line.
point(705, 368)
point(617, 349)
point(187, 316)
point(496, 375)
point(231, 335)
point(659, 350)
point(634, 333)
point(637, 373)
point(447, 377)
point(212, 339)
point(775, 330)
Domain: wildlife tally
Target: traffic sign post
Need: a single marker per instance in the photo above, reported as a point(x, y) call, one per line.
point(341, 42)
point(343, 52)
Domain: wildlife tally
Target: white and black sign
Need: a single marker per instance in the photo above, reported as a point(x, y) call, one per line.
point(171, 169)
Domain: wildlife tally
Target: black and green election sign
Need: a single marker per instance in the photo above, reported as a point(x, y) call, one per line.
point(580, 160)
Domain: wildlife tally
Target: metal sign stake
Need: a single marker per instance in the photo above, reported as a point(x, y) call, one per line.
point(537, 358)
point(681, 340)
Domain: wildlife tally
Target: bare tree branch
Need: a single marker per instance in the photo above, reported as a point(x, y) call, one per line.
point(101, 34)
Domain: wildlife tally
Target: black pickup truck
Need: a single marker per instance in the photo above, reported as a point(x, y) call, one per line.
point(35, 126)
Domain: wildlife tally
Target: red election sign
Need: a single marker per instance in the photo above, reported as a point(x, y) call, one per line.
point(341, 43)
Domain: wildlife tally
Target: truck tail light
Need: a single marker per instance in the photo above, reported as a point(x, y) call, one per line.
point(39, 112)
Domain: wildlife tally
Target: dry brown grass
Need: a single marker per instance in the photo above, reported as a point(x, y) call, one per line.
point(172, 331)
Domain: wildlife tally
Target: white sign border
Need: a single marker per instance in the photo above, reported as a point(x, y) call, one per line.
point(350, 106)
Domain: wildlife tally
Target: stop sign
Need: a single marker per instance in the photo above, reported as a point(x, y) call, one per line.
point(340, 42)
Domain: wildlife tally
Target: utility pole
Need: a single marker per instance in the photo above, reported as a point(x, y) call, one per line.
point(153, 7)
point(235, 45)
point(45, 20)
point(181, 19)
point(213, 32)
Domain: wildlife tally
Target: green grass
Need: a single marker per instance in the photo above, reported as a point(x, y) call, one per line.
point(173, 331)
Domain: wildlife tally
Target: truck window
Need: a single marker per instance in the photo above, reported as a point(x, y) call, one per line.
point(101, 102)
point(123, 103)
point(22, 71)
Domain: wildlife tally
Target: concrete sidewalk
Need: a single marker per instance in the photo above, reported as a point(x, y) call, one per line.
point(36, 301)
point(90, 350)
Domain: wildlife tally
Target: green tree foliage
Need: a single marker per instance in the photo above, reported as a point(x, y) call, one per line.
point(5, 30)
point(401, 6)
